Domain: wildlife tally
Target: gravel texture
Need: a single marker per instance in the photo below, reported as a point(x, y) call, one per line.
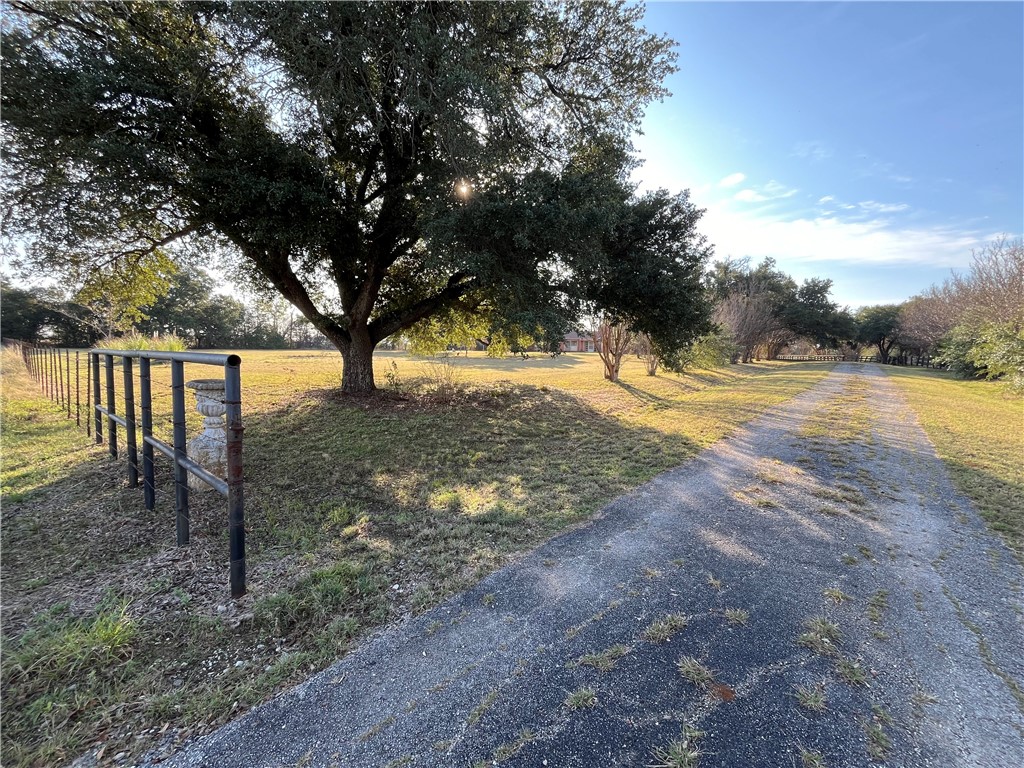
point(764, 521)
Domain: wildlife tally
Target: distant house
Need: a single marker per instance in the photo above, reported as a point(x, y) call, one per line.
point(573, 342)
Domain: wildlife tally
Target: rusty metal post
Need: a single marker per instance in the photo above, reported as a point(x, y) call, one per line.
point(111, 407)
point(180, 473)
point(129, 418)
point(236, 504)
point(94, 365)
point(146, 408)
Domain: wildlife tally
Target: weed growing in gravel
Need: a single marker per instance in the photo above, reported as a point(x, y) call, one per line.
point(651, 573)
point(663, 629)
point(583, 697)
point(679, 753)
point(713, 582)
point(879, 742)
point(851, 671)
point(849, 559)
point(877, 603)
point(480, 709)
point(835, 594)
point(511, 749)
point(376, 728)
point(606, 660)
point(737, 616)
point(822, 636)
point(693, 670)
point(865, 552)
point(811, 697)
point(810, 758)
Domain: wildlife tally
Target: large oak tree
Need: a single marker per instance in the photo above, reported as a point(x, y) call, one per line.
point(375, 163)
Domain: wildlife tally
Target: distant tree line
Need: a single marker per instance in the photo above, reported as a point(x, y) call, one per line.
point(187, 307)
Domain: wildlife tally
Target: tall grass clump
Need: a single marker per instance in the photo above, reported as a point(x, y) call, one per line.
point(138, 341)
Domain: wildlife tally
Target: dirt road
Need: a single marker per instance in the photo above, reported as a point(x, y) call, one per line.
point(847, 603)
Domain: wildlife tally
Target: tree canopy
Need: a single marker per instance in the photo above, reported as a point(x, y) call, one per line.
point(376, 163)
point(763, 308)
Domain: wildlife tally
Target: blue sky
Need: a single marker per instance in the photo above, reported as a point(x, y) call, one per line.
point(874, 144)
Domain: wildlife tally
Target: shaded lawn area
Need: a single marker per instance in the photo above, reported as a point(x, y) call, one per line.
point(977, 428)
point(359, 511)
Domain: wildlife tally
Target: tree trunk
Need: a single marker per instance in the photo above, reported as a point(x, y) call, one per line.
point(357, 366)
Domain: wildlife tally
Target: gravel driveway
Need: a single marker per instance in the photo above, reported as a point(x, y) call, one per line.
point(847, 603)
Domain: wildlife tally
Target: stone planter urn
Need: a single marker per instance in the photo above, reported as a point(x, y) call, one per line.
point(209, 449)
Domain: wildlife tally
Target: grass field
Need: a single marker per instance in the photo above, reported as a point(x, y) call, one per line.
point(977, 428)
point(358, 511)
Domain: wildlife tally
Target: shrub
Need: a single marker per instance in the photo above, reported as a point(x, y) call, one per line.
point(992, 350)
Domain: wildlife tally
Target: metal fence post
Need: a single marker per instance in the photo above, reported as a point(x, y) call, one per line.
point(60, 380)
point(111, 424)
point(78, 389)
point(94, 365)
point(129, 418)
point(146, 408)
point(236, 505)
point(67, 371)
point(180, 473)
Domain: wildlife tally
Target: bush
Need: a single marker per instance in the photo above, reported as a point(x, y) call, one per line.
point(136, 341)
point(992, 351)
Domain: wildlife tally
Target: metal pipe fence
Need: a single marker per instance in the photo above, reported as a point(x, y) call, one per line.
point(156, 409)
point(231, 487)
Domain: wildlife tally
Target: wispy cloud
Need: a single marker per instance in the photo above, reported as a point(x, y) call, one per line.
point(874, 207)
point(813, 150)
point(749, 196)
point(732, 180)
point(773, 190)
point(882, 169)
point(822, 238)
point(825, 199)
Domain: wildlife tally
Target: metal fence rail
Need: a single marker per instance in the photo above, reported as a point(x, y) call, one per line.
point(231, 488)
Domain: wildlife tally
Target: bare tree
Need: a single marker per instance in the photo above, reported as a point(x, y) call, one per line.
point(613, 341)
point(646, 351)
point(748, 320)
point(993, 290)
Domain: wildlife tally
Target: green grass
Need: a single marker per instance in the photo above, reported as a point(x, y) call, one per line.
point(811, 697)
point(604, 661)
point(822, 636)
point(679, 753)
point(694, 671)
point(662, 630)
point(346, 499)
point(583, 697)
